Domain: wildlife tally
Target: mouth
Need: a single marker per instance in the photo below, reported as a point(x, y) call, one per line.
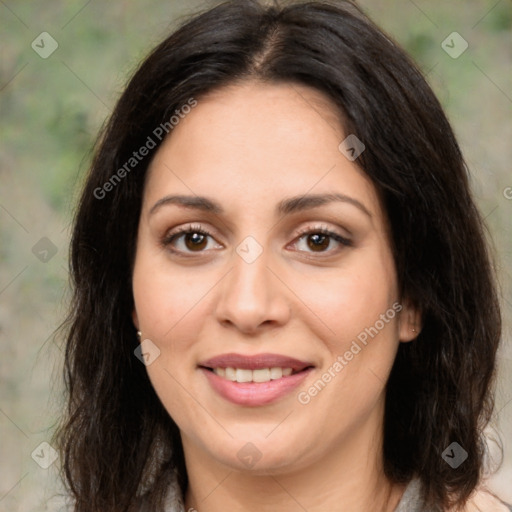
point(254, 380)
point(247, 375)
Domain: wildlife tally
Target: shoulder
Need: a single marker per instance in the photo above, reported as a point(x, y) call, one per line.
point(484, 500)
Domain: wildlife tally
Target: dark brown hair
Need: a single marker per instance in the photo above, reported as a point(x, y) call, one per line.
point(117, 441)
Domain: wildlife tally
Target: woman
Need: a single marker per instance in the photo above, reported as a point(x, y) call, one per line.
point(283, 297)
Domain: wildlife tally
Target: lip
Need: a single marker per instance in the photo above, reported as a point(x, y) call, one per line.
point(254, 394)
point(255, 362)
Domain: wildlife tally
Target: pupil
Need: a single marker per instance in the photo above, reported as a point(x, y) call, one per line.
point(196, 239)
point(318, 241)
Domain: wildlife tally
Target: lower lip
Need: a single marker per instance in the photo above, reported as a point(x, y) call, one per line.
point(253, 394)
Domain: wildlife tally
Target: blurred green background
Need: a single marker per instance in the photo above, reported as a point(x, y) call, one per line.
point(51, 110)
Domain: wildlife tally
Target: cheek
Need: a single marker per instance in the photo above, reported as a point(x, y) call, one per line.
point(170, 308)
point(166, 300)
point(349, 301)
point(359, 307)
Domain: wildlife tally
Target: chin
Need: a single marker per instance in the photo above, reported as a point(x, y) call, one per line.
point(257, 455)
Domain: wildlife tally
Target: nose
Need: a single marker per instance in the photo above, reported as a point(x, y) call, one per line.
point(252, 296)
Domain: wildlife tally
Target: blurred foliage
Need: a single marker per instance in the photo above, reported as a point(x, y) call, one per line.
point(61, 117)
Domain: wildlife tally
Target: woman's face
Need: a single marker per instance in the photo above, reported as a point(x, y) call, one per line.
point(284, 266)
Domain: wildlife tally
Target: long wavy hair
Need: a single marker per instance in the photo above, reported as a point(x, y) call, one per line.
point(117, 441)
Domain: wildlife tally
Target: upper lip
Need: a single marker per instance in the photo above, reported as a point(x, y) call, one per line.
point(255, 362)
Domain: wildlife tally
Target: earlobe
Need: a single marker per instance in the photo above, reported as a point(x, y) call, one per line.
point(410, 323)
point(135, 319)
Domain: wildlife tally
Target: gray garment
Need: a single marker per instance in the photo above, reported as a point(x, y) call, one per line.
point(411, 499)
point(410, 502)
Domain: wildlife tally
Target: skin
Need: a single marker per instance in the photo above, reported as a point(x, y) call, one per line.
point(247, 147)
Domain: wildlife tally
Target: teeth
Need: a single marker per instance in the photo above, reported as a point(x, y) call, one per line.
point(230, 374)
point(243, 375)
point(276, 373)
point(260, 375)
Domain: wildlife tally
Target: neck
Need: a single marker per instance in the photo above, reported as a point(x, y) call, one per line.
point(348, 478)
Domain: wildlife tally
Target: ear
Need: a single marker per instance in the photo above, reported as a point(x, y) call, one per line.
point(409, 322)
point(135, 319)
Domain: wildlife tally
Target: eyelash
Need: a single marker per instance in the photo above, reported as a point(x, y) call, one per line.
point(197, 228)
point(183, 230)
point(323, 230)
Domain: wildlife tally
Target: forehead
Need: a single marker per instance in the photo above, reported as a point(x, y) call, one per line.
point(255, 143)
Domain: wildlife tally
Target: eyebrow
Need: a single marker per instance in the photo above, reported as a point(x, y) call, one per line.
point(195, 202)
point(284, 207)
point(305, 202)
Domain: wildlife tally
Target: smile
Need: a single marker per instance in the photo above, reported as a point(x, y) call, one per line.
point(254, 380)
point(244, 375)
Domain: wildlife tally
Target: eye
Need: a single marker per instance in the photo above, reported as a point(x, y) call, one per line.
point(187, 239)
point(320, 240)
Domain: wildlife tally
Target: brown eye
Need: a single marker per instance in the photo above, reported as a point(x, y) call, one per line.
point(318, 242)
point(195, 241)
point(321, 240)
point(189, 239)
